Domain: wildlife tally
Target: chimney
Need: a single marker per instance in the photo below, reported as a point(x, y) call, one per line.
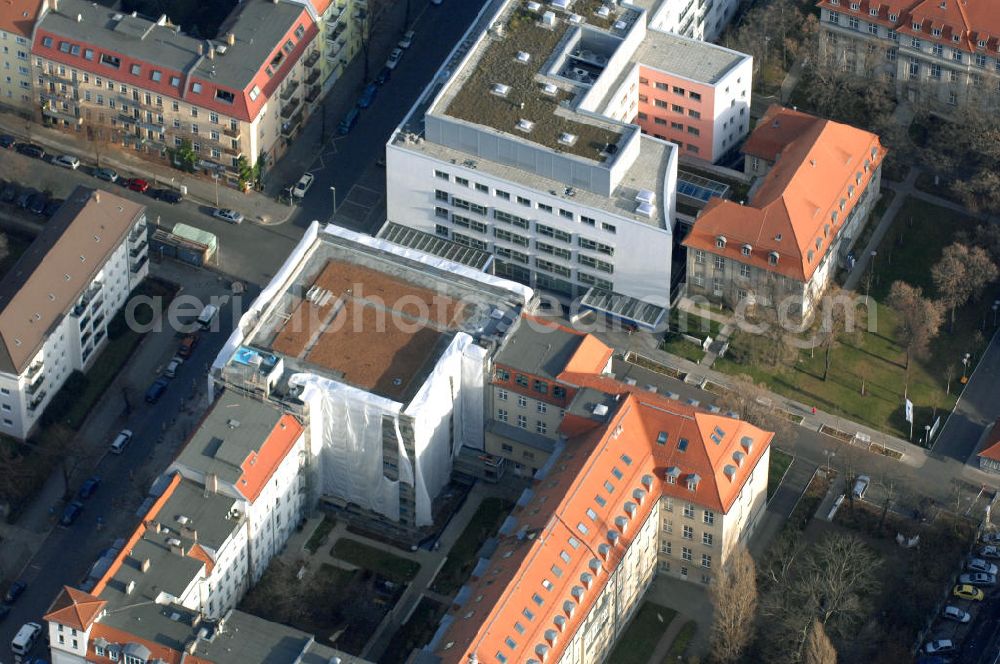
point(211, 53)
point(201, 49)
point(55, 5)
point(97, 197)
point(79, 18)
point(144, 565)
point(230, 38)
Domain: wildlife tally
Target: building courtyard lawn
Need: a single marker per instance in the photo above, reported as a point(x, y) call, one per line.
point(643, 633)
point(392, 567)
point(911, 246)
point(462, 557)
point(780, 461)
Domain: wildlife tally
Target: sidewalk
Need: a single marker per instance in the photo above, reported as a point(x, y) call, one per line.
point(902, 191)
point(663, 645)
point(257, 207)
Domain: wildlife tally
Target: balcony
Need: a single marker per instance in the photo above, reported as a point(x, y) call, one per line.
point(85, 299)
point(33, 387)
point(140, 248)
point(232, 133)
point(289, 90)
point(33, 370)
point(289, 109)
point(53, 76)
point(50, 111)
point(312, 94)
point(138, 265)
point(312, 59)
point(335, 49)
point(313, 77)
point(289, 128)
point(335, 31)
point(137, 232)
point(37, 401)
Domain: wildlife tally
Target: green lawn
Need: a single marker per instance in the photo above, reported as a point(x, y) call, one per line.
point(678, 345)
point(681, 642)
point(462, 557)
point(318, 537)
point(17, 244)
point(417, 631)
point(642, 634)
point(392, 567)
point(910, 247)
point(780, 461)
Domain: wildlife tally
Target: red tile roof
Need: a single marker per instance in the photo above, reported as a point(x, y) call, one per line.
point(803, 200)
point(991, 446)
point(260, 466)
point(157, 650)
point(75, 608)
point(18, 16)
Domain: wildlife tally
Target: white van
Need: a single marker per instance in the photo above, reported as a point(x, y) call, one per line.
point(206, 315)
point(25, 638)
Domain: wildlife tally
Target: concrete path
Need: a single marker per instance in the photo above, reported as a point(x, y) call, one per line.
point(663, 646)
point(258, 207)
point(781, 505)
point(792, 80)
point(691, 602)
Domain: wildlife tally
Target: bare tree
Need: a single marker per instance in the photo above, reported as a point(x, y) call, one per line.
point(890, 493)
point(839, 573)
point(372, 24)
point(734, 603)
point(819, 650)
point(836, 320)
point(961, 273)
point(919, 318)
point(752, 403)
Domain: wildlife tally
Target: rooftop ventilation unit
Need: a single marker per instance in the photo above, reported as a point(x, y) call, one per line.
point(566, 138)
point(603, 11)
point(550, 89)
point(646, 210)
point(560, 4)
point(549, 19)
point(575, 19)
point(500, 90)
point(600, 410)
point(534, 7)
point(525, 125)
point(645, 196)
point(621, 25)
point(523, 57)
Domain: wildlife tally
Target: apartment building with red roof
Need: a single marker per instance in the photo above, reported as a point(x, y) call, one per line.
point(989, 452)
point(17, 25)
point(945, 53)
point(635, 484)
point(818, 182)
point(145, 85)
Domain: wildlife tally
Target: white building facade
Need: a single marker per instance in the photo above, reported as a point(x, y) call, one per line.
point(95, 253)
point(698, 19)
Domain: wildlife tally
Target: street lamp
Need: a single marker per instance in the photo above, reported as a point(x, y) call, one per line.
point(215, 176)
point(333, 192)
point(829, 454)
point(965, 367)
point(996, 305)
point(871, 272)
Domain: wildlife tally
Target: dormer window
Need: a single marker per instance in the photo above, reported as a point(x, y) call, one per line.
point(893, 17)
point(956, 38)
point(855, 6)
point(772, 258)
point(692, 481)
point(981, 43)
point(819, 242)
point(826, 230)
point(747, 249)
point(873, 11)
point(720, 241)
point(936, 32)
point(810, 255)
point(916, 26)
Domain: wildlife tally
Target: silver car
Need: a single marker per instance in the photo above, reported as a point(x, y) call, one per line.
point(225, 214)
point(980, 565)
point(978, 579)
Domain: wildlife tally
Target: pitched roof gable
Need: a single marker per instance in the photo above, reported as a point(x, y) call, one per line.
point(75, 608)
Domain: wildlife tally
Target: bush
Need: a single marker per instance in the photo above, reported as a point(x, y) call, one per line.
point(65, 398)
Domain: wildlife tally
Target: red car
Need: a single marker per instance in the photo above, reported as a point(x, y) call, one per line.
point(135, 184)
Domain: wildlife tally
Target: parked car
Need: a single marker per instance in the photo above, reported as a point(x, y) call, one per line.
point(106, 174)
point(172, 367)
point(383, 76)
point(980, 565)
point(15, 590)
point(37, 204)
point(302, 186)
point(347, 124)
point(861, 486)
point(367, 97)
point(991, 551)
point(394, 58)
point(187, 345)
point(168, 196)
point(89, 488)
point(939, 646)
point(24, 640)
point(954, 613)
point(71, 513)
point(31, 150)
point(978, 579)
point(24, 198)
point(156, 390)
point(52, 206)
point(139, 185)
point(407, 40)
point(66, 161)
point(225, 214)
point(7, 141)
point(965, 591)
point(4, 611)
point(121, 441)
point(9, 192)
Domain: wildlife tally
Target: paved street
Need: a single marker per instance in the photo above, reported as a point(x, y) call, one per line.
point(68, 552)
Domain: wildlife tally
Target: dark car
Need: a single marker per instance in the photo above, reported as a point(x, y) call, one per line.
point(37, 204)
point(31, 150)
point(7, 141)
point(187, 345)
point(71, 513)
point(88, 488)
point(367, 97)
point(16, 590)
point(156, 390)
point(383, 76)
point(168, 195)
point(4, 611)
point(24, 199)
point(138, 184)
point(52, 207)
point(9, 192)
point(107, 174)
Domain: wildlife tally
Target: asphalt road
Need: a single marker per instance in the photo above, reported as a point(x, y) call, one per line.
point(978, 406)
point(69, 552)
